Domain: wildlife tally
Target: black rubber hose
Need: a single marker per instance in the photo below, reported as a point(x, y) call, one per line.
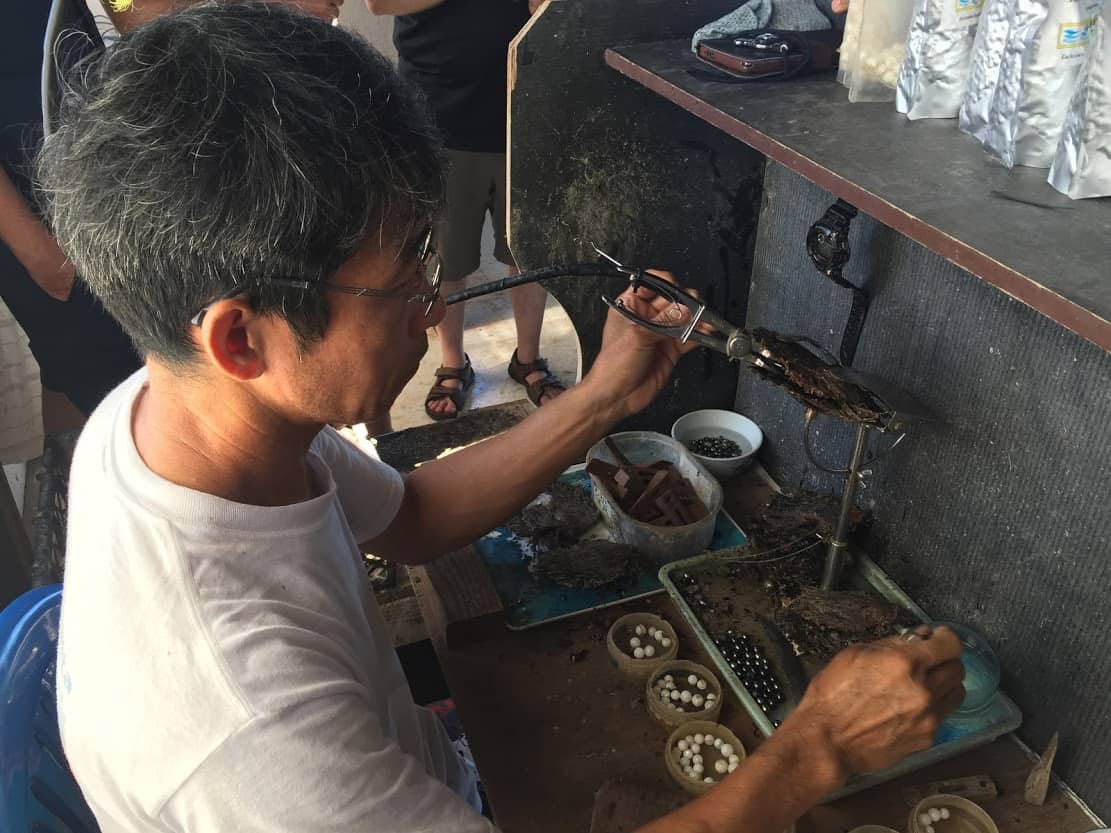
point(580, 270)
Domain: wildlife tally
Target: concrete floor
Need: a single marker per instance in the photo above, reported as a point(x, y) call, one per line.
point(490, 340)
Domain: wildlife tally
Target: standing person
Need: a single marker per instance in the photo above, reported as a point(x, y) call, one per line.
point(81, 351)
point(454, 51)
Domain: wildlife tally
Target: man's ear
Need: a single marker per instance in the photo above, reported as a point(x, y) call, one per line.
point(231, 337)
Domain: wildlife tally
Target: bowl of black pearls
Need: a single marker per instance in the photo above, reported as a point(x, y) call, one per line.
point(679, 691)
point(700, 753)
point(724, 442)
point(640, 642)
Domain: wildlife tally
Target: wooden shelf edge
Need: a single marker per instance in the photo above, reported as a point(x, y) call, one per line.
point(1083, 322)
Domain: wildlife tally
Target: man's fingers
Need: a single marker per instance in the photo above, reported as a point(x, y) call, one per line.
point(943, 678)
point(941, 646)
point(948, 702)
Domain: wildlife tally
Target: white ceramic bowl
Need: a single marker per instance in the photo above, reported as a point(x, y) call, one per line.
point(718, 423)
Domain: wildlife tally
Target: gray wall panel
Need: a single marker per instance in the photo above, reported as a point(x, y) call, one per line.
point(997, 513)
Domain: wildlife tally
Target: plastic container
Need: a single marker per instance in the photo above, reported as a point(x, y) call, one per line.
point(710, 754)
point(713, 422)
point(680, 670)
point(964, 816)
point(850, 45)
point(624, 629)
point(660, 544)
point(981, 672)
point(880, 43)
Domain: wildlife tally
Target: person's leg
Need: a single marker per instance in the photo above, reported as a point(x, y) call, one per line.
point(458, 241)
point(528, 300)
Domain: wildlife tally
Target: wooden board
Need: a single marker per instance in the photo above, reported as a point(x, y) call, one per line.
point(595, 158)
point(551, 722)
point(924, 179)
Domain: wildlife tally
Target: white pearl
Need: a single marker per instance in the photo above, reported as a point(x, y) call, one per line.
point(638, 653)
point(935, 814)
point(699, 738)
point(665, 696)
point(668, 678)
point(696, 748)
point(649, 650)
point(726, 749)
point(924, 819)
point(692, 680)
point(639, 630)
point(929, 828)
point(696, 759)
point(735, 759)
point(634, 643)
point(733, 766)
point(709, 740)
point(698, 770)
point(945, 812)
point(679, 708)
point(685, 696)
point(683, 744)
point(707, 780)
point(689, 739)
point(687, 753)
point(697, 701)
point(665, 642)
point(675, 694)
point(701, 685)
point(670, 686)
point(711, 697)
point(721, 767)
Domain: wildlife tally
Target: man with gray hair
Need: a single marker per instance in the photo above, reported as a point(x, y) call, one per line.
point(249, 191)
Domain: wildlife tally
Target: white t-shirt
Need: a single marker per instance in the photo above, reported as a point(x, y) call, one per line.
point(222, 667)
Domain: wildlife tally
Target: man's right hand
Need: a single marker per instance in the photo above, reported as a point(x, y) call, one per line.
point(876, 703)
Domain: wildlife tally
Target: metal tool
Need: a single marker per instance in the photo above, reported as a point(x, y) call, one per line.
point(700, 324)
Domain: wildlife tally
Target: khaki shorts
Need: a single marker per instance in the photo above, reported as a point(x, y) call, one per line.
point(475, 186)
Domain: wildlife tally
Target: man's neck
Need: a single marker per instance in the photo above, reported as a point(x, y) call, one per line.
point(222, 442)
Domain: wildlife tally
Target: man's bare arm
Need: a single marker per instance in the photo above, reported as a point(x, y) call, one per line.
point(32, 243)
point(872, 706)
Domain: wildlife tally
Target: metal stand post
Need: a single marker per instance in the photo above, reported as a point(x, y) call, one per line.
point(835, 555)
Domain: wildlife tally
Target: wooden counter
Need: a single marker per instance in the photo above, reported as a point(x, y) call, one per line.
point(924, 179)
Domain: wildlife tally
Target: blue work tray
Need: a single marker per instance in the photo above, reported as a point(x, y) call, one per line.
point(530, 601)
point(953, 738)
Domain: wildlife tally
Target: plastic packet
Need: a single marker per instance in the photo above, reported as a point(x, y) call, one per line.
point(935, 68)
point(1045, 53)
point(850, 45)
point(987, 58)
point(1082, 164)
point(880, 42)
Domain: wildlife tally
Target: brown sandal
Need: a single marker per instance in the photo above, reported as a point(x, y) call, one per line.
point(438, 392)
point(547, 385)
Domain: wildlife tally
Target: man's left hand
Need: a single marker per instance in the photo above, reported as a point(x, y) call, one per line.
point(634, 363)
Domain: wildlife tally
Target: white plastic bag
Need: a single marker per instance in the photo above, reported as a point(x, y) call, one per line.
point(1046, 50)
point(935, 68)
point(987, 58)
point(1082, 165)
point(879, 43)
point(850, 45)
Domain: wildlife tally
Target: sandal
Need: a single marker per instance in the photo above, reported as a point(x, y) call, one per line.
point(438, 392)
point(547, 385)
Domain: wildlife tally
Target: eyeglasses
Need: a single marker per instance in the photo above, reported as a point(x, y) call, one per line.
point(427, 259)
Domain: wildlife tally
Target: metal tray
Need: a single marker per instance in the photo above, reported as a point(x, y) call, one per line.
point(953, 737)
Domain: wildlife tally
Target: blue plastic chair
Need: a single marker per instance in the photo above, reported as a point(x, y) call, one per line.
point(37, 791)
